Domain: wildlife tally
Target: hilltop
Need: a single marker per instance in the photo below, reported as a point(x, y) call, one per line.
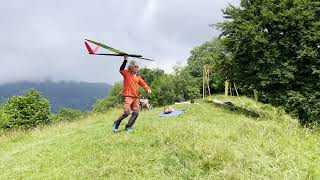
point(208, 141)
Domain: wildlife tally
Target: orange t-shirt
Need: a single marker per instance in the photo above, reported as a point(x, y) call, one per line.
point(130, 84)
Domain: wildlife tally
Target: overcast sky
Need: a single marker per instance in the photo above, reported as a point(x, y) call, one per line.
point(43, 39)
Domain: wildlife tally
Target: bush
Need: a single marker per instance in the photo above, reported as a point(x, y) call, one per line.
point(27, 111)
point(113, 99)
point(210, 54)
point(150, 75)
point(163, 91)
point(185, 85)
point(4, 119)
point(274, 49)
point(68, 114)
point(305, 105)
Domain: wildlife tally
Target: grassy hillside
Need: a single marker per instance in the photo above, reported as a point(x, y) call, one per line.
point(207, 142)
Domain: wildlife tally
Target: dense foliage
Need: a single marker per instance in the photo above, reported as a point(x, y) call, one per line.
point(27, 111)
point(113, 99)
point(168, 88)
point(163, 91)
point(150, 75)
point(4, 119)
point(67, 114)
point(274, 48)
point(212, 55)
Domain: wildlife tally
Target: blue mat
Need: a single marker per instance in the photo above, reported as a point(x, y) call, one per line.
point(173, 114)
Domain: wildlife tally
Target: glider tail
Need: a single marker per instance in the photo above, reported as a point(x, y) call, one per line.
point(90, 50)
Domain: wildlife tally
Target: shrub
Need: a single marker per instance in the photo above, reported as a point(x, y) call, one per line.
point(163, 91)
point(28, 110)
point(68, 114)
point(113, 99)
point(4, 119)
point(185, 85)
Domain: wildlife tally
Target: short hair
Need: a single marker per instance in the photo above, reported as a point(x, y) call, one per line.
point(132, 63)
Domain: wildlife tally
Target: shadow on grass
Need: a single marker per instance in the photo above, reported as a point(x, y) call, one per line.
point(237, 109)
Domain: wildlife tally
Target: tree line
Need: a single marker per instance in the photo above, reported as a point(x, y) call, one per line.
point(273, 47)
point(267, 47)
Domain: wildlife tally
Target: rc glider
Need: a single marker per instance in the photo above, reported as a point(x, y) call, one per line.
point(115, 51)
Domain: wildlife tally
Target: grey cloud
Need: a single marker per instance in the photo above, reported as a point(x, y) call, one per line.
point(43, 40)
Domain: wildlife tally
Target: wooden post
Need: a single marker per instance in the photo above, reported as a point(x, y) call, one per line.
point(203, 88)
point(237, 92)
point(203, 85)
point(230, 86)
point(206, 81)
point(255, 93)
point(226, 88)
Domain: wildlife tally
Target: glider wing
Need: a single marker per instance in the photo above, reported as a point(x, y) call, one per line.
point(118, 52)
point(107, 47)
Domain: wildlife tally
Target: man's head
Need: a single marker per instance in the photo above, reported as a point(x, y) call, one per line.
point(168, 110)
point(133, 67)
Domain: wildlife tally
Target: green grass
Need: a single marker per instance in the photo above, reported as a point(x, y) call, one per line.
point(207, 142)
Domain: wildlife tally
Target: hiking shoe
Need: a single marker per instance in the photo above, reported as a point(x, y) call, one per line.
point(129, 129)
point(115, 128)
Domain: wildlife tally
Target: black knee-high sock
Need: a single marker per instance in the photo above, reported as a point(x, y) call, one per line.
point(118, 121)
point(132, 119)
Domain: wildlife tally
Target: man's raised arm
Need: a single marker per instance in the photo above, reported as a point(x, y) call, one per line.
point(124, 63)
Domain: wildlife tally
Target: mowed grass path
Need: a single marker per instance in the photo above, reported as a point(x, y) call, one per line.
point(207, 142)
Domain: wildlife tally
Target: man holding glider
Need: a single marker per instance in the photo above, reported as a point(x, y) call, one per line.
point(130, 94)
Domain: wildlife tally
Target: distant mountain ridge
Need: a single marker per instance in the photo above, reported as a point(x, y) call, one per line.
point(64, 94)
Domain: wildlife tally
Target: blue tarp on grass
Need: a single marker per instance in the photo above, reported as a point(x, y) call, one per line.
point(173, 113)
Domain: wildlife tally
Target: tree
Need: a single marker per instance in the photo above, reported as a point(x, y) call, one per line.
point(150, 75)
point(68, 114)
point(185, 85)
point(28, 110)
point(113, 99)
point(210, 53)
point(4, 119)
point(274, 48)
point(163, 91)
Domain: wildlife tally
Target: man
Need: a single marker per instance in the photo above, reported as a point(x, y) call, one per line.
point(130, 94)
point(144, 103)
